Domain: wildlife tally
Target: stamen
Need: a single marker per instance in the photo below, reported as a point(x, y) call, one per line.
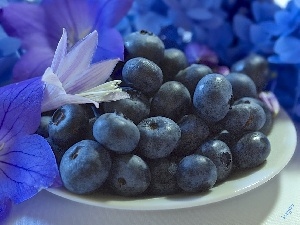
point(100, 92)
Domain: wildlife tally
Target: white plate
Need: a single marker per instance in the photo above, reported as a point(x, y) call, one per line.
point(283, 140)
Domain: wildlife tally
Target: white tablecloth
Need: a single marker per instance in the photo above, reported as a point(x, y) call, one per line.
point(275, 202)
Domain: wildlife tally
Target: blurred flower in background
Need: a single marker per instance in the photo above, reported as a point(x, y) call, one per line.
point(39, 26)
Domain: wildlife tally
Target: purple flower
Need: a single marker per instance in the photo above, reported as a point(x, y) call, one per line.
point(27, 163)
point(39, 26)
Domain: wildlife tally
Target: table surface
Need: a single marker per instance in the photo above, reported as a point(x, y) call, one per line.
point(275, 202)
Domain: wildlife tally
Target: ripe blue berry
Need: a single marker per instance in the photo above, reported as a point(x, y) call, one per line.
point(159, 137)
point(116, 133)
point(68, 125)
point(144, 44)
point(143, 75)
point(172, 100)
point(196, 173)
point(129, 176)
point(212, 97)
point(84, 167)
point(251, 150)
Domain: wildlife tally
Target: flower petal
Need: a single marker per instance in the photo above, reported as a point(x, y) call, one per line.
point(110, 45)
point(60, 51)
point(22, 20)
point(33, 63)
point(288, 49)
point(57, 99)
point(77, 59)
point(73, 15)
point(20, 105)
point(5, 206)
point(26, 167)
point(50, 78)
point(106, 8)
point(97, 74)
point(241, 26)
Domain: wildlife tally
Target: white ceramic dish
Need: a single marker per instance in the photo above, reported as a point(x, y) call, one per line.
point(283, 140)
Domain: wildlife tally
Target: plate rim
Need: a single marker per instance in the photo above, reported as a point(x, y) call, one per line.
point(136, 203)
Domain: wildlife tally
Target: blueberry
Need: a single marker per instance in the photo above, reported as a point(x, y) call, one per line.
point(267, 127)
point(143, 75)
point(159, 137)
point(237, 118)
point(144, 44)
point(193, 132)
point(245, 118)
point(174, 60)
point(251, 150)
point(242, 85)
point(135, 108)
point(196, 173)
point(218, 152)
point(256, 67)
point(191, 75)
point(163, 176)
point(212, 97)
point(129, 176)
point(68, 125)
point(116, 133)
point(84, 167)
point(172, 100)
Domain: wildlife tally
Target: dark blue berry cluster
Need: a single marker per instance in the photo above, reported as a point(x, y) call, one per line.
point(183, 128)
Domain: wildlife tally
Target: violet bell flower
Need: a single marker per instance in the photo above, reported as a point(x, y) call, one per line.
point(39, 27)
point(72, 80)
point(27, 163)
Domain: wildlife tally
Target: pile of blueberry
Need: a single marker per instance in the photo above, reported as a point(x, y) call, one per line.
point(183, 129)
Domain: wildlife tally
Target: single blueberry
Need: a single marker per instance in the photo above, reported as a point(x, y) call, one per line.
point(251, 150)
point(242, 85)
point(129, 176)
point(68, 125)
point(142, 74)
point(116, 133)
point(144, 44)
point(172, 100)
point(163, 176)
point(159, 137)
point(212, 97)
point(84, 167)
point(174, 60)
point(196, 173)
